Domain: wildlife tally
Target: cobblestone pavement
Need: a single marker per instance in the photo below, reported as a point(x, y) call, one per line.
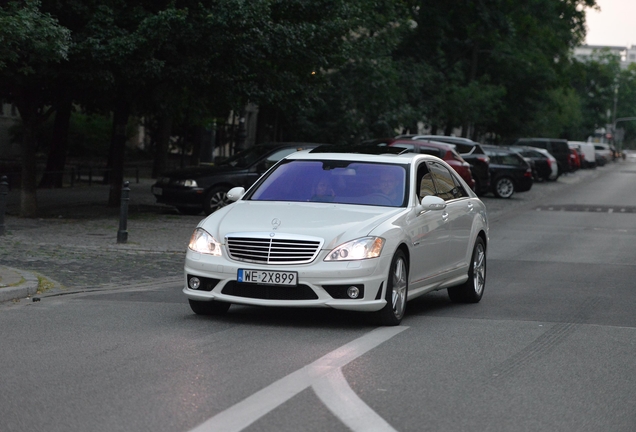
point(74, 242)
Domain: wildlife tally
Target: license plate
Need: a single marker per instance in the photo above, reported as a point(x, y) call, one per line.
point(157, 190)
point(265, 277)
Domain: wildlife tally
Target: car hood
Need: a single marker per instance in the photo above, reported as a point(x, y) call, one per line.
point(334, 223)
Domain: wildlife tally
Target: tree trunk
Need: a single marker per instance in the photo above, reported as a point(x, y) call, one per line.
point(163, 144)
point(54, 173)
point(117, 152)
point(28, 192)
point(197, 144)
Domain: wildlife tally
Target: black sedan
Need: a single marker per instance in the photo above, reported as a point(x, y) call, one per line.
point(509, 172)
point(544, 166)
point(204, 188)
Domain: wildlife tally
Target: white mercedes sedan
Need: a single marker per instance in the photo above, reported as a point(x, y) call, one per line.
point(342, 228)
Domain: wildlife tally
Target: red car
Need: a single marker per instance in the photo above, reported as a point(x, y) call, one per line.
point(575, 159)
point(443, 151)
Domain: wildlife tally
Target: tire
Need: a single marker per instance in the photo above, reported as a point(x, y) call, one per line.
point(209, 307)
point(504, 187)
point(472, 290)
point(396, 291)
point(215, 199)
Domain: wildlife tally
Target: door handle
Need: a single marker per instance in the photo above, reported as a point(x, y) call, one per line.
point(445, 216)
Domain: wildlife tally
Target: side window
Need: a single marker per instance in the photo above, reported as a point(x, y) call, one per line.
point(424, 182)
point(445, 183)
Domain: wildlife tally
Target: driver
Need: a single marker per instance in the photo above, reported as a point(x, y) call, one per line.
point(391, 186)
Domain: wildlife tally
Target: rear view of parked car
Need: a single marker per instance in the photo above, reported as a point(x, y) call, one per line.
point(444, 151)
point(603, 153)
point(544, 165)
point(586, 151)
point(471, 151)
point(557, 147)
point(509, 172)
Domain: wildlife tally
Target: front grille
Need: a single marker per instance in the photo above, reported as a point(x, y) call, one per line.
point(269, 292)
point(273, 250)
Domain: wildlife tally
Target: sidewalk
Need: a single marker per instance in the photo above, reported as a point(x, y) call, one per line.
point(16, 284)
point(73, 242)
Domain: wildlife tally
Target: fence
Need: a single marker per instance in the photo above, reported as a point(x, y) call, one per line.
point(74, 175)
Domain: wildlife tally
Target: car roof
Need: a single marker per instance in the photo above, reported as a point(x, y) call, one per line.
point(362, 154)
point(289, 144)
point(494, 148)
point(443, 138)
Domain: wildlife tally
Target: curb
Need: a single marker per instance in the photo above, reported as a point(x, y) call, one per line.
point(16, 284)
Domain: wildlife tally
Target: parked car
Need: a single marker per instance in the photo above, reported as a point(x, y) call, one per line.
point(604, 150)
point(204, 188)
point(509, 171)
point(384, 229)
point(544, 165)
point(444, 151)
point(586, 152)
point(471, 151)
point(557, 147)
point(575, 158)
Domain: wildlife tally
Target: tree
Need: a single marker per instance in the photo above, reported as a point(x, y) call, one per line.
point(31, 44)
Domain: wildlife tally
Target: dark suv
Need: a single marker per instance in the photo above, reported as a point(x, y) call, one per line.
point(204, 188)
point(471, 151)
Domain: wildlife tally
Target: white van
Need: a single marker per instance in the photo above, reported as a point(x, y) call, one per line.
point(587, 151)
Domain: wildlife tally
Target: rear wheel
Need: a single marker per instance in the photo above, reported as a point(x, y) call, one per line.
point(472, 290)
point(504, 187)
point(209, 307)
point(215, 199)
point(396, 291)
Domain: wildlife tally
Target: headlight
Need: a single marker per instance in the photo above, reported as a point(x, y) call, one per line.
point(187, 183)
point(202, 242)
point(359, 249)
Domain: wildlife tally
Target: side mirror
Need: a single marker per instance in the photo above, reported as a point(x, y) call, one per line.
point(235, 193)
point(431, 203)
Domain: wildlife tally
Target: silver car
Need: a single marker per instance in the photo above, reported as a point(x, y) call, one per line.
point(342, 230)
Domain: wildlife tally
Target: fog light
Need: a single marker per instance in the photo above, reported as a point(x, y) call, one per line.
point(353, 292)
point(194, 283)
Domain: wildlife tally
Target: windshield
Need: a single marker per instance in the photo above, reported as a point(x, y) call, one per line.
point(343, 182)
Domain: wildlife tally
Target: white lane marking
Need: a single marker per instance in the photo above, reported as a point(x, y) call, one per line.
point(246, 412)
point(334, 391)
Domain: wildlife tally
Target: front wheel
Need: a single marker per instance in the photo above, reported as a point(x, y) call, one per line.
point(396, 291)
point(472, 290)
point(504, 187)
point(209, 307)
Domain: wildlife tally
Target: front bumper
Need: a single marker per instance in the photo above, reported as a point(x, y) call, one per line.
point(320, 283)
point(178, 196)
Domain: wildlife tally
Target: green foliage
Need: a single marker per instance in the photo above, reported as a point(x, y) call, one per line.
point(29, 38)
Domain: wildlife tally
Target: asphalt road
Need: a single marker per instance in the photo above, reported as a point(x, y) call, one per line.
point(550, 347)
